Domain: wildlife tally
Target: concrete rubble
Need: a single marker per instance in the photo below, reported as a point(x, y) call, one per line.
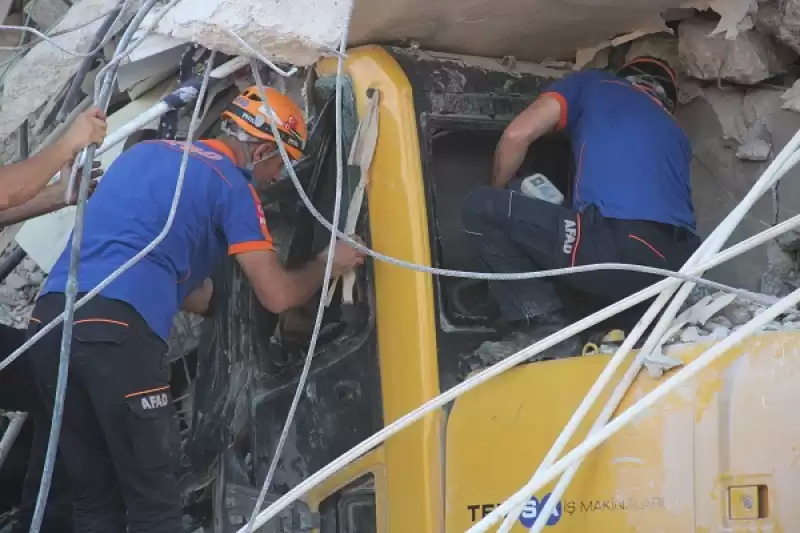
point(747, 59)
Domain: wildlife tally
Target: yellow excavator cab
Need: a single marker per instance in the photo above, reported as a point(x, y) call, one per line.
point(718, 454)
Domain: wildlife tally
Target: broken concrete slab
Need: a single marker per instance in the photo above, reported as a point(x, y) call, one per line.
point(746, 118)
point(781, 19)
point(755, 150)
point(533, 30)
point(736, 16)
point(45, 70)
point(46, 13)
point(748, 59)
point(791, 98)
point(296, 32)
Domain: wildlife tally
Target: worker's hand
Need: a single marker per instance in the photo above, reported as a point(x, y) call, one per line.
point(89, 128)
point(63, 181)
point(345, 257)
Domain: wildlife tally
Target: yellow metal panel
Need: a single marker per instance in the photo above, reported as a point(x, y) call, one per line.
point(373, 463)
point(405, 309)
point(669, 471)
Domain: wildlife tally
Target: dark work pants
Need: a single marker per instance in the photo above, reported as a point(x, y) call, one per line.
point(515, 233)
point(119, 437)
point(18, 393)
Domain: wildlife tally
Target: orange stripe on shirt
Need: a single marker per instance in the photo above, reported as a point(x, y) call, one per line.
point(219, 146)
point(250, 246)
point(562, 120)
point(262, 220)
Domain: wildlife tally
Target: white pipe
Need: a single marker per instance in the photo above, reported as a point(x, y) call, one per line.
point(687, 373)
point(11, 434)
point(500, 367)
point(782, 164)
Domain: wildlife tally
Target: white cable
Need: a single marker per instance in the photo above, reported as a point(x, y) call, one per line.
point(688, 372)
point(273, 66)
point(784, 162)
point(301, 384)
point(495, 370)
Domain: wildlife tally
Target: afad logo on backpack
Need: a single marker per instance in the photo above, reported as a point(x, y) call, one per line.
point(534, 507)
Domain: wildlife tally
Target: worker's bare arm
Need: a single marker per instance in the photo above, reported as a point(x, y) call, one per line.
point(199, 299)
point(279, 289)
point(541, 117)
point(22, 181)
point(51, 198)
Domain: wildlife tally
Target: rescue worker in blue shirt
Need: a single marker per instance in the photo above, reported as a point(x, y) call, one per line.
point(631, 196)
point(120, 439)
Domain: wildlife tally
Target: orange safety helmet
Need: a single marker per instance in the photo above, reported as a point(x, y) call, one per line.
point(250, 113)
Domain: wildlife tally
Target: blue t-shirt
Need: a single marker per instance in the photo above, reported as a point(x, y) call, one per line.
point(218, 211)
point(632, 159)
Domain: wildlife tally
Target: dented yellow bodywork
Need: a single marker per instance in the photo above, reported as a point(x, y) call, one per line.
point(718, 454)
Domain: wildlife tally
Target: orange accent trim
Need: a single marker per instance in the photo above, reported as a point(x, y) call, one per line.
point(148, 391)
point(250, 246)
point(185, 277)
point(34, 319)
point(579, 175)
point(101, 320)
point(221, 147)
point(262, 220)
point(577, 240)
point(562, 121)
point(653, 248)
point(196, 158)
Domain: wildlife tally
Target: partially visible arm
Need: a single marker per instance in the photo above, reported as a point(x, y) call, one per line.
point(49, 200)
point(199, 299)
point(279, 289)
point(541, 117)
point(22, 181)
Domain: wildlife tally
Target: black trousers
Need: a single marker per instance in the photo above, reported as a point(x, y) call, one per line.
point(119, 438)
point(18, 393)
point(515, 233)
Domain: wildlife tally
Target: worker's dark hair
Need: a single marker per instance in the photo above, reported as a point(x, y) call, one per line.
point(656, 76)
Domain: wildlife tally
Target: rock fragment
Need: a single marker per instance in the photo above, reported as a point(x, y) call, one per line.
point(781, 19)
point(748, 59)
point(755, 150)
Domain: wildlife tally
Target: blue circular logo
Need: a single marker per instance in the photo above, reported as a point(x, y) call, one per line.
point(531, 511)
